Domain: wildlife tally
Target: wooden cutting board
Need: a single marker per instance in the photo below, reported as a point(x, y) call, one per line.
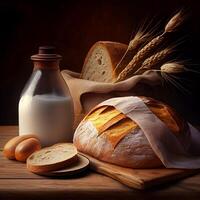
point(139, 178)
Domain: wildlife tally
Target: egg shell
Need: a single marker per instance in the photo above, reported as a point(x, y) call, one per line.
point(25, 148)
point(10, 146)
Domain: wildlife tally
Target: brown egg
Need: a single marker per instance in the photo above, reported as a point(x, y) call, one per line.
point(25, 148)
point(10, 146)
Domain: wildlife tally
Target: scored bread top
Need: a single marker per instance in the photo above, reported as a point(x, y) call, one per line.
point(114, 125)
point(166, 114)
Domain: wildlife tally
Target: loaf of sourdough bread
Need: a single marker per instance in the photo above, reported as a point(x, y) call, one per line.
point(101, 61)
point(109, 135)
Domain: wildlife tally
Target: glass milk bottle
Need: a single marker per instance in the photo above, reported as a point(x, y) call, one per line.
point(46, 106)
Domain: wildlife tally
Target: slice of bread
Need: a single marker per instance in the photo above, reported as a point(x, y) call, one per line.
point(101, 61)
point(75, 168)
point(52, 158)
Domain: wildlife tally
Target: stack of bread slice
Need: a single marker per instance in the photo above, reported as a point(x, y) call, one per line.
point(59, 159)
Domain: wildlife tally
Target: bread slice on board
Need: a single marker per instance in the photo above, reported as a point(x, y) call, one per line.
point(78, 167)
point(101, 61)
point(52, 158)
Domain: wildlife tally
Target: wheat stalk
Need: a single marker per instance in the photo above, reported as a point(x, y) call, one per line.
point(169, 73)
point(137, 60)
point(134, 45)
point(175, 22)
point(137, 41)
point(172, 68)
point(154, 60)
point(172, 25)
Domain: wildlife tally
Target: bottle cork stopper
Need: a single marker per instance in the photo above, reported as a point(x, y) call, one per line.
point(46, 53)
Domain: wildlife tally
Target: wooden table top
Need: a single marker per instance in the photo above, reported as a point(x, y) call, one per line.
point(17, 183)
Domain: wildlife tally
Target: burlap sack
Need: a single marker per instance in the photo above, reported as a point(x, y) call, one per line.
point(87, 94)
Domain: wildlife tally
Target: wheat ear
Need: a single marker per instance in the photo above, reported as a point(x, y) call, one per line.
point(169, 73)
point(172, 25)
point(134, 45)
point(172, 68)
point(154, 60)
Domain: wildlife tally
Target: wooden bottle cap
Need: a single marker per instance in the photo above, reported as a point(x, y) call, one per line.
point(46, 53)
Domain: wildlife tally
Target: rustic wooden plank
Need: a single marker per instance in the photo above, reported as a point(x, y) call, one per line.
point(138, 178)
point(89, 181)
point(4, 139)
point(93, 186)
point(17, 183)
point(6, 133)
point(9, 130)
point(13, 169)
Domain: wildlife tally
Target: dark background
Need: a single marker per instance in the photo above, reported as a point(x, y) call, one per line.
point(73, 26)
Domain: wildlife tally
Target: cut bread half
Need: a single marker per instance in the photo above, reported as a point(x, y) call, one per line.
point(101, 61)
point(52, 158)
